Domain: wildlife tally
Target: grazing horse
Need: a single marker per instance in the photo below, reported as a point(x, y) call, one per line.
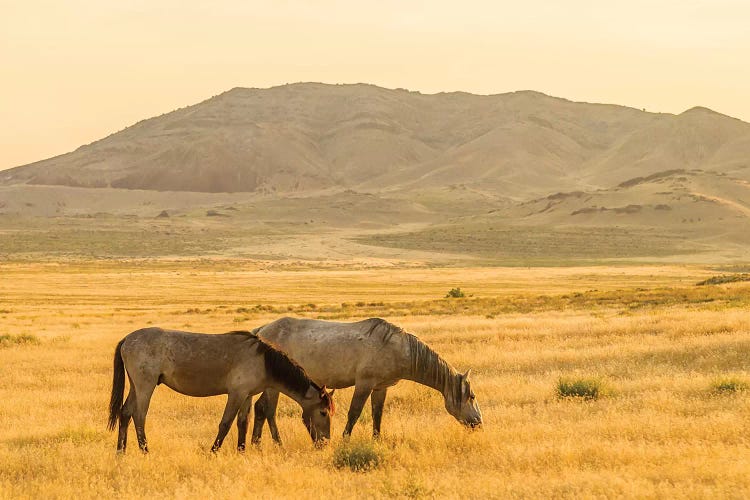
point(370, 355)
point(238, 364)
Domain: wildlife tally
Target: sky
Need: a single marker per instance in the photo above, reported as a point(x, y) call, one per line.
point(75, 71)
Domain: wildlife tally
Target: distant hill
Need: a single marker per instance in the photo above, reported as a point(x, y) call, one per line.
point(309, 137)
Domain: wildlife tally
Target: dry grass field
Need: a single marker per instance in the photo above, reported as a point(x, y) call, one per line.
point(671, 358)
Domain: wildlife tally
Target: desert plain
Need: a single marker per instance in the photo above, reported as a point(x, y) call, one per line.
point(601, 254)
point(659, 345)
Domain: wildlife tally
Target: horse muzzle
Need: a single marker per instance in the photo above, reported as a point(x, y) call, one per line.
point(473, 424)
point(321, 443)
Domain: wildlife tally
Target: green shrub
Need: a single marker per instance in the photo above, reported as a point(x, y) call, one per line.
point(728, 385)
point(359, 457)
point(455, 293)
point(586, 388)
point(8, 340)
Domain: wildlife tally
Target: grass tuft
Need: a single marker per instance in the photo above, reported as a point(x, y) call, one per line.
point(729, 385)
point(586, 388)
point(360, 456)
point(10, 340)
point(455, 293)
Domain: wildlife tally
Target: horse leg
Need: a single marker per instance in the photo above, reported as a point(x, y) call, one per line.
point(361, 393)
point(125, 415)
point(272, 402)
point(142, 400)
point(259, 417)
point(234, 401)
point(242, 423)
point(378, 401)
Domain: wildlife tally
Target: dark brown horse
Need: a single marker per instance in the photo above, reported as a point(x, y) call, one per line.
point(238, 364)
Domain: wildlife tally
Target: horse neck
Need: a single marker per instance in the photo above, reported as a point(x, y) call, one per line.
point(426, 367)
point(284, 375)
point(284, 388)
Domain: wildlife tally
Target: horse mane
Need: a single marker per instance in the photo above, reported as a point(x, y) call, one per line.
point(426, 366)
point(384, 329)
point(283, 368)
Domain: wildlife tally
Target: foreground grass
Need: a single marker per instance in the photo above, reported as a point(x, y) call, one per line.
point(664, 432)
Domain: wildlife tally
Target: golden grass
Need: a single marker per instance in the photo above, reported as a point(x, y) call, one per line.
point(658, 342)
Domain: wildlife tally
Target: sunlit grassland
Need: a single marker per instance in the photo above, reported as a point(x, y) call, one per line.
point(659, 343)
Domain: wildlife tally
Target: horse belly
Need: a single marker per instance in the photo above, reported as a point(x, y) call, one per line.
point(194, 384)
point(334, 371)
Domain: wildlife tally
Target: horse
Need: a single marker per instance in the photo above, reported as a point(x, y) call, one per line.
point(239, 364)
point(371, 355)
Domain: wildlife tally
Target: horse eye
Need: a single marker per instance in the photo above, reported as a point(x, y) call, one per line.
point(471, 396)
point(323, 412)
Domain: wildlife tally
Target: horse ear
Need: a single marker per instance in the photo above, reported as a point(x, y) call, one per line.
point(466, 375)
point(332, 391)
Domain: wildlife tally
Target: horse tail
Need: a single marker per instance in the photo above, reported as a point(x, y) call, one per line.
point(118, 388)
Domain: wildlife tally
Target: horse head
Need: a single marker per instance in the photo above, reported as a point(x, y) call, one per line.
point(317, 410)
point(463, 404)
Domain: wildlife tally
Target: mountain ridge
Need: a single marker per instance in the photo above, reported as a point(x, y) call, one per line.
point(309, 136)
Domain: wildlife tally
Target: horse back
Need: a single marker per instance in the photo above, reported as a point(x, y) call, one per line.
point(196, 364)
point(337, 353)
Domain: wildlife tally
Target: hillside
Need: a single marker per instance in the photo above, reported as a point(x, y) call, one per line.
point(332, 172)
point(305, 138)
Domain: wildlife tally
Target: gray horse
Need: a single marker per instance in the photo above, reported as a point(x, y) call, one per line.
point(370, 355)
point(236, 363)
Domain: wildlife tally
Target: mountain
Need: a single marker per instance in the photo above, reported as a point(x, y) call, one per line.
point(304, 138)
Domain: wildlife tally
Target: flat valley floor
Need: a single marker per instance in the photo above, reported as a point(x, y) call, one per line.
point(659, 345)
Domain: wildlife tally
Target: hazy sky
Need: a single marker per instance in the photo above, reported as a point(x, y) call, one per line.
point(74, 71)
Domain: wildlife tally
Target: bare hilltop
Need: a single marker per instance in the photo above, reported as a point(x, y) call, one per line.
point(503, 177)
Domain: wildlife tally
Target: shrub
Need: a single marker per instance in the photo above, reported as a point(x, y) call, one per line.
point(455, 293)
point(8, 340)
point(729, 385)
point(359, 456)
point(724, 278)
point(586, 388)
